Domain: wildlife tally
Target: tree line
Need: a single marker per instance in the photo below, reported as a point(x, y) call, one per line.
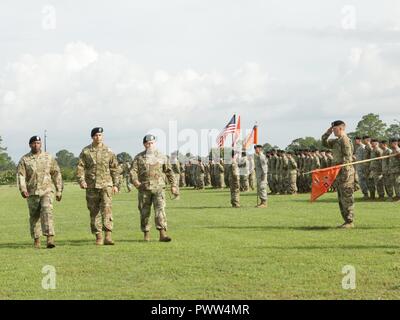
point(370, 125)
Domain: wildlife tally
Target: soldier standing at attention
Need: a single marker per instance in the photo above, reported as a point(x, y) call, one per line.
point(37, 172)
point(376, 169)
point(243, 164)
point(234, 181)
point(385, 169)
point(342, 148)
point(97, 173)
point(261, 167)
point(147, 174)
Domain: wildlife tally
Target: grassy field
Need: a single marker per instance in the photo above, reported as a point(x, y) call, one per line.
point(289, 251)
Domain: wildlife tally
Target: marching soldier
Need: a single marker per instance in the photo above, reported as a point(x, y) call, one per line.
point(261, 166)
point(97, 173)
point(342, 148)
point(38, 174)
point(147, 174)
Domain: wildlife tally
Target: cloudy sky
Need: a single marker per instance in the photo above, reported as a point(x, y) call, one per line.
point(186, 66)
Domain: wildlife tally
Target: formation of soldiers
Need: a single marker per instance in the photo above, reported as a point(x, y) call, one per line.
point(101, 176)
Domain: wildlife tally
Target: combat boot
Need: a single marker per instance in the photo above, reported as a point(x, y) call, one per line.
point(164, 237)
point(347, 225)
point(108, 241)
point(263, 204)
point(36, 243)
point(146, 236)
point(50, 242)
point(99, 239)
point(236, 206)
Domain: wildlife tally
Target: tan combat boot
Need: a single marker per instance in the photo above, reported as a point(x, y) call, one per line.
point(99, 239)
point(146, 236)
point(108, 240)
point(36, 243)
point(263, 204)
point(50, 242)
point(164, 237)
point(347, 225)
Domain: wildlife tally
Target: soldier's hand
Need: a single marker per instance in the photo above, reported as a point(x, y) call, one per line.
point(25, 194)
point(115, 190)
point(330, 130)
point(83, 185)
point(137, 184)
point(59, 197)
point(174, 191)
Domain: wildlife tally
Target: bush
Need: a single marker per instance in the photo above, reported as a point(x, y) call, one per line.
point(68, 174)
point(8, 177)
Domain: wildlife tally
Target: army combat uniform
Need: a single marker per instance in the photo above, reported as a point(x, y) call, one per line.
point(37, 175)
point(150, 169)
point(261, 167)
point(98, 167)
point(342, 149)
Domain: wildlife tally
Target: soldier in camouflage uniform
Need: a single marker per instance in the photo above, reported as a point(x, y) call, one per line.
point(386, 151)
point(124, 175)
point(261, 167)
point(234, 181)
point(176, 169)
point(97, 173)
point(149, 169)
point(394, 168)
point(272, 172)
point(252, 173)
point(292, 174)
point(243, 164)
point(182, 179)
point(342, 148)
point(37, 173)
point(376, 169)
point(200, 174)
point(219, 174)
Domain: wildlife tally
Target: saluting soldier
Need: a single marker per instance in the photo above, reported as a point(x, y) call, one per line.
point(261, 167)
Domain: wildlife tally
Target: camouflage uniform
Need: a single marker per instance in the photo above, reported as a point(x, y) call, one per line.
point(261, 167)
point(150, 169)
point(272, 173)
point(200, 175)
point(394, 170)
point(376, 172)
point(360, 155)
point(243, 164)
point(343, 153)
point(182, 179)
point(234, 183)
point(292, 169)
point(176, 169)
point(37, 173)
point(252, 173)
point(98, 167)
point(386, 172)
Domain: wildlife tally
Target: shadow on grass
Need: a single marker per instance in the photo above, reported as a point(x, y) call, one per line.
point(303, 228)
point(342, 247)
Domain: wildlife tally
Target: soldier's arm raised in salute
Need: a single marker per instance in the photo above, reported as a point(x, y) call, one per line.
point(56, 177)
point(325, 142)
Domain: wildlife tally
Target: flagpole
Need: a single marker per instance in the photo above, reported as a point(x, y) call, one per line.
point(354, 163)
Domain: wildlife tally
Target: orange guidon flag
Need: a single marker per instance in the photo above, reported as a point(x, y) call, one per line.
point(322, 180)
point(252, 138)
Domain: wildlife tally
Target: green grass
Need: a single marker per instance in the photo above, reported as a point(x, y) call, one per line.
point(289, 251)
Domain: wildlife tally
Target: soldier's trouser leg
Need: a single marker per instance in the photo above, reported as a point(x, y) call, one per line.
point(378, 181)
point(396, 183)
point(387, 181)
point(345, 189)
point(362, 180)
point(371, 186)
point(41, 215)
point(144, 206)
point(99, 203)
point(262, 188)
point(235, 191)
point(293, 183)
point(160, 216)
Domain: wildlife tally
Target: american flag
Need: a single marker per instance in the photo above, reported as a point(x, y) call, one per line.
point(229, 128)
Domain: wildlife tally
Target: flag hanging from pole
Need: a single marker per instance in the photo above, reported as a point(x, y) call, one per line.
point(229, 128)
point(322, 180)
point(236, 135)
point(252, 138)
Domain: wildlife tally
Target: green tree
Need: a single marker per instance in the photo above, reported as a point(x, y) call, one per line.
point(371, 125)
point(393, 131)
point(66, 159)
point(304, 143)
point(124, 157)
point(6, 162)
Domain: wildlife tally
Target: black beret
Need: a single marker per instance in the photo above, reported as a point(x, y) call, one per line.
point(34, 139)
point(337, 123)
point(95, 131)
point(258, 146)
point(357, 138)
point(366, 137)
point(384, 141)
point(374, 140)
point(149, 138)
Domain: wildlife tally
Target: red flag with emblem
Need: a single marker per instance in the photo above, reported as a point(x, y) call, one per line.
point(322, 180)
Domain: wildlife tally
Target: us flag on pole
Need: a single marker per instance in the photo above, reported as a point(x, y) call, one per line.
point(229, 128)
